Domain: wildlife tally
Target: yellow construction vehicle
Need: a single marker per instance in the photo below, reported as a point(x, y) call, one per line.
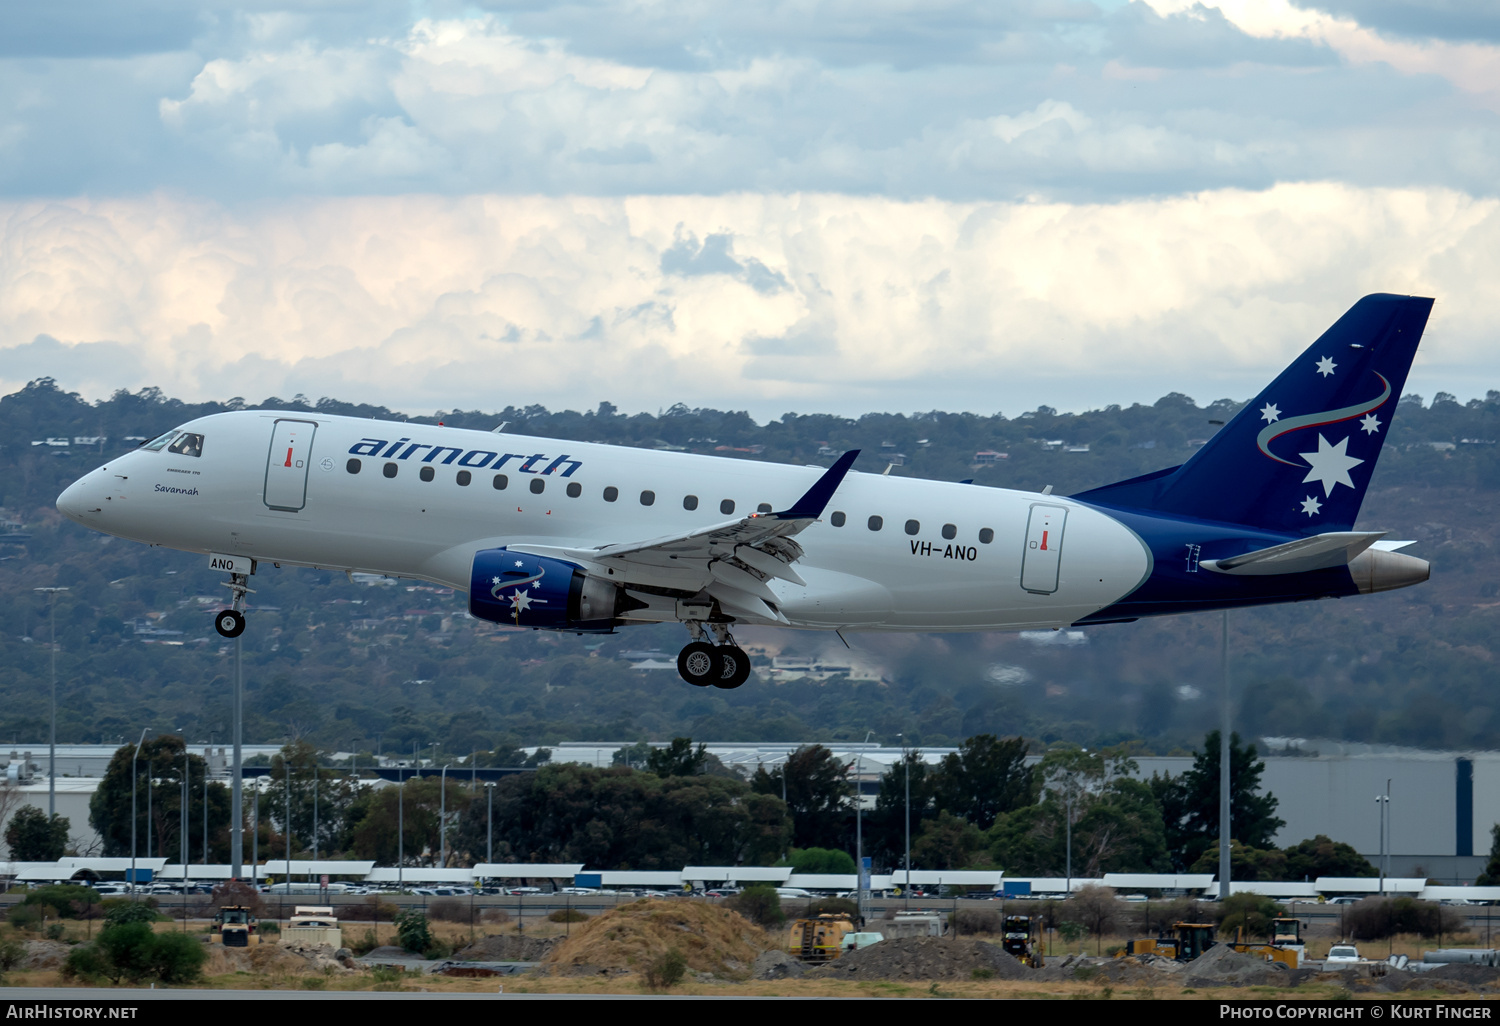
point(234, 924)
point(1285, 946)
point(1022, 937)
point(819, 939)
point(1186, 942)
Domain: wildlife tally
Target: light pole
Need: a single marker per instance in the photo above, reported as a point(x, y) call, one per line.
point(205, 814)
point(1226, 865)
point(184, 849)
point(1383, 801)
point(489, 827)
point(237, 774)
point(906, 882)
point(443, 819)
point(134, 776)
point(51, 594)
point(400, 824)
point(317, 768)
point(859, 831)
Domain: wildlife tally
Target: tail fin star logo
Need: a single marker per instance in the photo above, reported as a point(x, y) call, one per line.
point(1278, 427)
point(1330, 465)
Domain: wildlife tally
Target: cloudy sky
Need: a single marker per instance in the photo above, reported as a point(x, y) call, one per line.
point(797, 205)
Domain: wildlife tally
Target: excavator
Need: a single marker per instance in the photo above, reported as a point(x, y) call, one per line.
point(1021, 936)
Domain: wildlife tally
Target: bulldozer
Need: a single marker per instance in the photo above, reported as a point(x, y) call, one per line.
point(1285, 945)
point(1185, 942)
point(1021, 936)
point(234, 924)
point(819, 939)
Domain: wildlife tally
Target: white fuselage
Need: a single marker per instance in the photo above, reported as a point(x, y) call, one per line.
point(276, 487)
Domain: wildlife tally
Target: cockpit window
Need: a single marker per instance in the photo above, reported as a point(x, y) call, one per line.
point(187, 444)
point(159, 442)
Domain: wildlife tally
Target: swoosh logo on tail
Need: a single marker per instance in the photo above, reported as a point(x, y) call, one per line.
point(1271, 432)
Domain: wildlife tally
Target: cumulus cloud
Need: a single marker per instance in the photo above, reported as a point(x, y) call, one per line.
point(962, 100)
point(424, 302)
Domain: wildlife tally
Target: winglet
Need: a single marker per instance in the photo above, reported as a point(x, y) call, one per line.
point(811, 505)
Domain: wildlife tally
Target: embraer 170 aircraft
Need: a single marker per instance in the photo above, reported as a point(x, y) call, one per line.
point(575, 536)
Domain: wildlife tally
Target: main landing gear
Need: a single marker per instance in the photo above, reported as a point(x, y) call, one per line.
point(724, 665)
point(230, 623)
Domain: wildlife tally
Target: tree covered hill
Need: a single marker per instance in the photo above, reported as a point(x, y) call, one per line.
point(340, 663)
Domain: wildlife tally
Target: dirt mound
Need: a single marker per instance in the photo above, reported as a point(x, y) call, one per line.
point(1473, 976)
point(1222, 966)
point(776, 965)
point(626, 939)
point(927, 958)
point(506, 948)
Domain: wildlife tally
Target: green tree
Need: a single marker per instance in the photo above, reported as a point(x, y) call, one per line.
point(678, 759)
point(1322, 856)
point(1248, 863)
point(817, 794)
point(886, 826)
point(330, 803)
point(760, 904)
point(985, 778)
point(947, 842)
point(1244, 910)
point(821, 861)
point(1190, 803)
point(32, 837)
point(416, 805)
point(159, 769)
point(1491, 875)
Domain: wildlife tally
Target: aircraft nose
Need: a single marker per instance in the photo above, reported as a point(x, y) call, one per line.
point(75, 502)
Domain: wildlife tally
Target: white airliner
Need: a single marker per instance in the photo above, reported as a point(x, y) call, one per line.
point(561, 535)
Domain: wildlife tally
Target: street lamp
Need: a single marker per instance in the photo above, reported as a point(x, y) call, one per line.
point(134, 774)
point(489, 828)
point(51, 594)
point(859, 835)
point(1383, 802)
point(906, 883)
point(443, 818)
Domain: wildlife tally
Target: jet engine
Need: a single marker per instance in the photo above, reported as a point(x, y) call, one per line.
point(536, 591)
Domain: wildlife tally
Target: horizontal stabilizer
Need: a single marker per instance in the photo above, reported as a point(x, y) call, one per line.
point(1320, 552)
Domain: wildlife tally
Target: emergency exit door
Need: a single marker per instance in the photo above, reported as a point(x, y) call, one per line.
point(1044, 537)
point(287, 464)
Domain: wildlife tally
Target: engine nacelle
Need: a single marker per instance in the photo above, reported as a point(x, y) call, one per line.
point(535, 591)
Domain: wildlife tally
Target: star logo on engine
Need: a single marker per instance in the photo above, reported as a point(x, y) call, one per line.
point(520, 601)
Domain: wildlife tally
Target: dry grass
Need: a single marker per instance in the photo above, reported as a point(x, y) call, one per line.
point(711, 938)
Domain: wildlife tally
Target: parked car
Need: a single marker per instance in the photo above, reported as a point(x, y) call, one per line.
point(524, 890)
point(1342, 954)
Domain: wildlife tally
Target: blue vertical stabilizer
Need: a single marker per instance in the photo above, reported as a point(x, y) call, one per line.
point(1299, 457)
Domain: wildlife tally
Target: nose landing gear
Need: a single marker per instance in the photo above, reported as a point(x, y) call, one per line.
point(702, 664)
point(230, 623)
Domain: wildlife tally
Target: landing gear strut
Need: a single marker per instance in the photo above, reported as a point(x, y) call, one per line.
point(724, 665)
point(230, 623)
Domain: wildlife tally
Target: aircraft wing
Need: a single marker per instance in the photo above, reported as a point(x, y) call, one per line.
point(1318, 552)
point(732, 559)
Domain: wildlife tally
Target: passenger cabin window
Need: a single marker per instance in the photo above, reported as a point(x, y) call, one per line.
point(537, 485)
point(352, 466)
point(950, 532)
point(611, 493)
point(187, 444)
point(647, 498)
point(986, 535)
point(726, 507)
point(876, 523)
point(464, 477)
point(574, 489)
point(912, 527)
point(690, 502)
point(837, 519)
point(427, 473)
point(389, 470)
point(500, 482)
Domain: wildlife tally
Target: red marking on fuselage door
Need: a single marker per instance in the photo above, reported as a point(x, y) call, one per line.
point(1044, 541)
point(289, 463)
